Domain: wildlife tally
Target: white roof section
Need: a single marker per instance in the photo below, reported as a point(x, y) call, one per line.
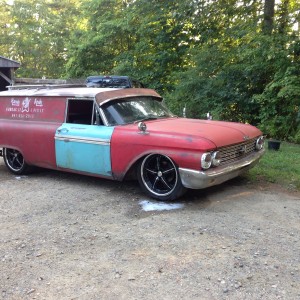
point(79, 92)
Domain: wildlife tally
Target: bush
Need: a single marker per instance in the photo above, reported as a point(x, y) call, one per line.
point(279, 106)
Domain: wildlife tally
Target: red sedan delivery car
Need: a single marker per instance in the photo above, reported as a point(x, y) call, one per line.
point(116, 133)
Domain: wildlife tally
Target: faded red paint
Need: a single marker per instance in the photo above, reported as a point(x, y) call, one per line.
point(184, 140)
point(31, 128)
point(40, 108)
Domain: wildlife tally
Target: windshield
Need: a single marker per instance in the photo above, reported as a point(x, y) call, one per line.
point(134, 110)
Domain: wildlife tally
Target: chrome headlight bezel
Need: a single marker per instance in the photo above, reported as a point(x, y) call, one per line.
point(259, 145)
point(206, 160)
point(216, 158)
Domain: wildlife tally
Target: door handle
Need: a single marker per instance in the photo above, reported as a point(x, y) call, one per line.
point(62, 130)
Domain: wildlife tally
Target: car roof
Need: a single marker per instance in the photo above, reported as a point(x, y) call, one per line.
point(102, 95)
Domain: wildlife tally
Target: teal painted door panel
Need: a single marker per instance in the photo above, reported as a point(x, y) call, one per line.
point(84, 148)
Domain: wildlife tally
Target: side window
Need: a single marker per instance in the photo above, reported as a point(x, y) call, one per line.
point(82, 111)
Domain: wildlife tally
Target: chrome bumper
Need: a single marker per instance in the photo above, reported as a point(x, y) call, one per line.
point(193, 179)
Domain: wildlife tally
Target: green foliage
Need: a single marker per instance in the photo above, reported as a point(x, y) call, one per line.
point(35, 34)
point(143, 39)
point(244, 76)
point(296, 138)
point(280, 105)
point(282, 167)
point(94, 47)
point(224, 79)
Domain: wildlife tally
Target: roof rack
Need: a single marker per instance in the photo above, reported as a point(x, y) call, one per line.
point(44, 83)
point(43, 86)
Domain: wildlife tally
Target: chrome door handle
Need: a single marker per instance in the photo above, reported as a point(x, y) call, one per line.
point(62, 130)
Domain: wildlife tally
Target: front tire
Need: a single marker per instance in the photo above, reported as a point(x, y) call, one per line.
point(15, 162)
point(158, 176)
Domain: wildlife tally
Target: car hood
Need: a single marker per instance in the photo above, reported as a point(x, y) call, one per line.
point(216, 133)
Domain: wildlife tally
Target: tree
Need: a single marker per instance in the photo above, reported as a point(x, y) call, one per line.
point(5, 24)
point(224, 72)
point(35, 35)
point(106, 34)
point(269, 10)
point(244, 71)
point(144, 39)
point(280, 106)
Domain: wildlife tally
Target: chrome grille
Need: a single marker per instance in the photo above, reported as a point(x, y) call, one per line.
point(235, 152)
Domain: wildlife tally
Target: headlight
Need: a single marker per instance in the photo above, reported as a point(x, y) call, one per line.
point(260, 143)
point(216, 158)
point(206, 160)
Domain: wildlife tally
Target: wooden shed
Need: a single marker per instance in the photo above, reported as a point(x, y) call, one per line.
point(7, 71)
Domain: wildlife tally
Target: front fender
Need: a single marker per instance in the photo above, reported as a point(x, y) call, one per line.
point(129, 146)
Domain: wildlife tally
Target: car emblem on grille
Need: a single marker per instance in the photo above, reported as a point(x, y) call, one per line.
point(246, 137)
point(243, 149)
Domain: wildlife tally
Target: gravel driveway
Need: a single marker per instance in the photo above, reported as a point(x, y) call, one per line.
point(65, 236)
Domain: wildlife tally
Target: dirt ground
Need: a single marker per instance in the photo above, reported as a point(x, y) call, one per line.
point(66, 236)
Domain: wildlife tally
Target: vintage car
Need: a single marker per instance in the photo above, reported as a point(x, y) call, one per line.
point(119, 134)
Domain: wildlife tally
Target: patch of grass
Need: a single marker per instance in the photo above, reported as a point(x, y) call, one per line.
point(281, 167)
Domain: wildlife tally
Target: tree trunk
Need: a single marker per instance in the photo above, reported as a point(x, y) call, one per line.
point(283, 16)
point(268, 21)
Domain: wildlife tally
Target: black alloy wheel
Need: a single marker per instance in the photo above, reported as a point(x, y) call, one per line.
point(15, 162)
point(159, 177)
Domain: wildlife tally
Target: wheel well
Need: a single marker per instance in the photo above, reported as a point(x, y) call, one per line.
point(14, 148)
point(131, 173)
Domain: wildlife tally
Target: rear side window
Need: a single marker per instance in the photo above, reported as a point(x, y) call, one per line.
point(82, 111)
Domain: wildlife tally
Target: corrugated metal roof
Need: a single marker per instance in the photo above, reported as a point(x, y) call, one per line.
point(8, 63)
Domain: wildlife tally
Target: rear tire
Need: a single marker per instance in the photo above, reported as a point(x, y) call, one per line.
point(15, 162)
point(158, 176)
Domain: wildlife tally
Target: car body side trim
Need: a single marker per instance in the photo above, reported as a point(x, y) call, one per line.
point(83, 140)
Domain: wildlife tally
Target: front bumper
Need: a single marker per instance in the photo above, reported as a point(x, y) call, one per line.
point(193, 179)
